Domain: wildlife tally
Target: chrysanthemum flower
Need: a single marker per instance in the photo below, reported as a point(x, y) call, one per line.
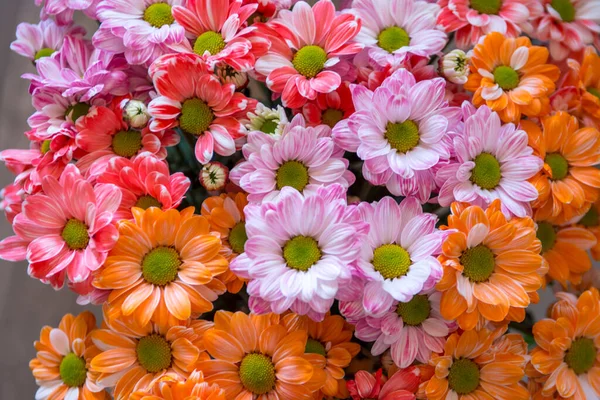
point(171, 387)
point(267, 120)
point(63, 10)
point(329, 108)
point(479, 365)
point(256, 358)
point(394, 29)
point(135, 113)
point(306, 47)
point(62, 364)
point(511, 76)
point(213, 176)
point(299, 251)
point(164, 263)
point(193, 98)
point(401, 386)
point(492, 161)
point(454, 66)
point(492, 266)
point(42, 40)
point(569, 347)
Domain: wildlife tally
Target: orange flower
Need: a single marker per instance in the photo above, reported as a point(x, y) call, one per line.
point(62, 366)
point(328, 345)
point(164, 264)
point(171, 387)
point(511, 76)
point(568, 351)
point(492, 267)
point(256, 358)
point(479, 365)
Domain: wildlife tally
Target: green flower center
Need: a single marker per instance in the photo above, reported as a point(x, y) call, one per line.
point(257, 373)
point(72, 370)
point(558, 165)
point(77, 110)
point(315, 347)
point(154, 353)
point(196, 116)
point(310, 60)
point(393, 38)
point(331, 116)
point(301, 253)
point(160, 265)
point(159, 14)
point(127, 143)
point(269, 126)
point(591, 218)
point(147, 201)
point(547, 235)
point(486, 6)
point(565, 8)
point(415, 311)
point(238, 237)
point(594, 91)
point(463, 376)
point(506, 77)
point(402, 136)
point(75, 234)
point(209, 41)
point(41, 53)
point(45, 146)
point(486, 173)
point(478, 263)
point(581, 356)
point(391, 261)
point(292, 173)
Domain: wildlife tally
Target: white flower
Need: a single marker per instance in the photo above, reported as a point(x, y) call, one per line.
point(455, 66)
point(136, 114)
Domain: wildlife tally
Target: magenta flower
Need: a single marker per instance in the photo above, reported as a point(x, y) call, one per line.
point(42, 40)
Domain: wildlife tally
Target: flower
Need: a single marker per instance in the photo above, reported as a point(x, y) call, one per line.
point(299, 251)
point(135, 113)
point(401, 131)
point(492, 266)
point(454, 66)
point(492, 161)
point(267, 120)
point(62, 366)
point(567, 347)
point(401, 386)
point(329, 108)
point(255, 357)
point(163, 264)
point(227, 74)
point(63, 10)
point(307, 45)
point(511, 76)
point(213, 176)
point(171, 387)
point(42, 40)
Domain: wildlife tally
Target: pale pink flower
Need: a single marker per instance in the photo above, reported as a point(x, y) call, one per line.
point(63, 10)
point(42, 40)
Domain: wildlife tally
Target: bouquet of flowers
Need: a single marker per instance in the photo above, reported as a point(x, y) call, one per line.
point(276, 200)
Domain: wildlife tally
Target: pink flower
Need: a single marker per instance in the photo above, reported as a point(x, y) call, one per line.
point(401, 131)
point(329, 108)
point(401, 386)
point(307, 48)
point(42, 40)
point(193, 99)
point(67, 230)
point(11, 201)
point(63, 10)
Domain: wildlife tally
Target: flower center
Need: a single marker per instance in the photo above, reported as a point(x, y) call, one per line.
point(238, 237)
point(209, 41)
point(77, 110)
point(154, 353)
point(331, 116)
point(391, 261)
point(41, 53)
point(257, 373)
point(547, 235)
point(463, 376)
point(478, 263)
point(75, 234)
point(269, 126)
point(45, 147)
point(581, 356)
point(310, 60)
point(196, 116)
point(402, 136)
point(506, 77)
point(72, 370)
point(147, 201)
point(415, 311)
point(565, 8)
point(292, 173)
point(486, 173)
point(127, 143)
point(591, 218)
point(315, 347)
point(301, 253)
point(160, 265)
point(594, 91)
point(159, 14)
point(558, 165)
point(393, 38)
point(486, 6)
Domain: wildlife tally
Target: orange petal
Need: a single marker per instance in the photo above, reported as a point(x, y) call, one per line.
point(294, 370)
point(114, 360)
point(502, 373)
point(223, 346)
point(177, 301)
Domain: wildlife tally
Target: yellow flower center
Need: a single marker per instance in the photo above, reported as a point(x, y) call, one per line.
point(301, 253)
point(315, 347)
point(309, 60)
point(72, 370)
point(558, 165)
point(269, 126)
point(415, 311)
point(486, 6)
point(238, 237)
point(547, 235)
point(565, 8)
point(147, 201)
point(127, 143)
point(591, 218)
point(506, 77)
point(331, 116)
point(463, 376)
point(478, 263)
point(402, 136)
point(257, 373)
point(159, 14)
point(393, 38)
point(196, 116)
point(154, 353)
point(160, 265)
point(486, 173)
point(41, 53)
point(75, 234)
point(582, 355)
point(391, 261)
point(45, 147)
point(292, 173)
point(594, 91)
point(77, 110)
point(209, 41)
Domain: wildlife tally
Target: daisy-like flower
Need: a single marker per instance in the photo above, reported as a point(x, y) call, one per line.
point(394, 29)
point(568, 347)
point(329, 108)
point(165, 262)
point(511, 76)
point(213, 176)
point(479, 365)
point(193, 98)
point(492, 161)
point(401, 386)
point(492, 266)
point(256, 358)
point(401, 131)
point(267, 120)
point(42, 40)
point(454, 66)
point(306, 46)
point(171, 387)
point(62, 366)
point(299, 251)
